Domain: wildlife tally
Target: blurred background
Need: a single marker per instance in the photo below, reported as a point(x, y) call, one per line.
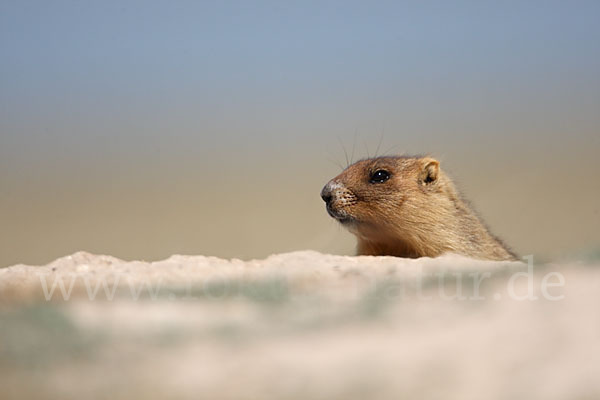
point(146, 128)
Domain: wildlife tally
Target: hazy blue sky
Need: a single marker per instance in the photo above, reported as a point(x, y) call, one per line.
point(103, 74)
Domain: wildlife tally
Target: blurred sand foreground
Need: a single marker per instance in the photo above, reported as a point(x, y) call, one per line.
point(300, 325)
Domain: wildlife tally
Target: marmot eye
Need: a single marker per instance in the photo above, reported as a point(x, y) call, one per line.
point(380, 176)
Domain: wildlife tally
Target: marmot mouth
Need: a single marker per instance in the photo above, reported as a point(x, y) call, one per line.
point(341, 217)
point(346, 220)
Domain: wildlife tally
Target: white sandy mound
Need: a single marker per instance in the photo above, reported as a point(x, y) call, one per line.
point(301, 325)
point(83, 272)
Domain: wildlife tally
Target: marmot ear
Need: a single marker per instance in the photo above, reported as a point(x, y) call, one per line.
point(430, 171)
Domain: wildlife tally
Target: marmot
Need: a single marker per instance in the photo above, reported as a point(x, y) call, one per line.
point(408, 207)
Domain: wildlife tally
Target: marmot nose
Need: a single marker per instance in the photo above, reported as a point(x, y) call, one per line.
point(327, 194)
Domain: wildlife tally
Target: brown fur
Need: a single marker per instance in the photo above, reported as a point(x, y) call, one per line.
point(417, 212)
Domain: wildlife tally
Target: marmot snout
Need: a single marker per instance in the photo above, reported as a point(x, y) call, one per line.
point(408, 207)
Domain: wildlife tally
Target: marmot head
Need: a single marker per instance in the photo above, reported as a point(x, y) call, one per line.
point(376, 195)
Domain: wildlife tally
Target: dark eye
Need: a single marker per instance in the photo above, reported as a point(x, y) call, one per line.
point(379, 176)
